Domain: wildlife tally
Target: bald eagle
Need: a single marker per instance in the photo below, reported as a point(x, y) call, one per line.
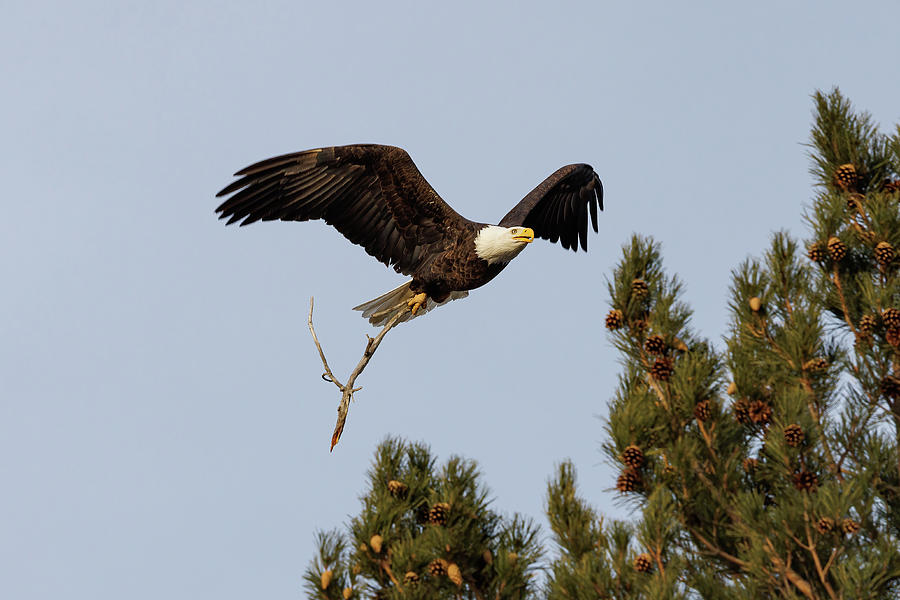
point(377, 198)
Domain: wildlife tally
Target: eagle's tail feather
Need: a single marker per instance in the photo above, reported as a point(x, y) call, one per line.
point(382, 309)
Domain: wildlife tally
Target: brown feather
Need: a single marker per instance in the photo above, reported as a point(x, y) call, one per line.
point(379, 186)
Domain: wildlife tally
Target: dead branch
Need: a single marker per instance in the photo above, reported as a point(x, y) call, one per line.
point(347, 389)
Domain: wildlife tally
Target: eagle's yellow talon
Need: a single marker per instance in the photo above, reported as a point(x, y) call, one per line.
point(416, 302)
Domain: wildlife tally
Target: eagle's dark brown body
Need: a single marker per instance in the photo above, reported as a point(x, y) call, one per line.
point(458, 268)
point(377, 198)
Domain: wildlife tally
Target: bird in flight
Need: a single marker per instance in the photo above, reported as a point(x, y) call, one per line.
point(377, 198)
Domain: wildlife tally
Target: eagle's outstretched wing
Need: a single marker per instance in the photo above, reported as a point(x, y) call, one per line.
point(374, 195)
point(558, 208)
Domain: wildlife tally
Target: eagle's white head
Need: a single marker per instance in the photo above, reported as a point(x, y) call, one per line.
point(502, 244)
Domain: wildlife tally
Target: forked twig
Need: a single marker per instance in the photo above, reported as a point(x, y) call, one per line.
point(348, 389)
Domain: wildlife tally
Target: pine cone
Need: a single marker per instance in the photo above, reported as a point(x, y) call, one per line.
point(398, 489)
point(824, 525)
point(891, 317)
point(662, 369)
point(845, 177)
point(816, 364)
point(837, 249)
point(639, 288)
point(487, 557)
point(793, 435)
point(375, 542)
point(849, 526)
point(438, 513)
point(741, 409)
point(890, 387)
point(438, 567)
point(643, 563)
point(629, 480)
point(637, 326)
point(732, 389)
point(633, 456)
point(703, 411)
point(816, 252)
point(867, 324)
point(760, 412)
point(411, 578)
point(855, 201)
point(892, 336)
point(326, 578)
point(347, 593)
point(890, 187)
point(655, 344)
point(755, 304)
point(614, 319)
point(884, 253)
point(454, 574)
point(750, 464)
point(806, 481)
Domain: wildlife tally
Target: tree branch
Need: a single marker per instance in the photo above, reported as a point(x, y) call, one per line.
point(801, 584)
point(386, 566)
point(836, 279)
point(347, 389)
point(716, 551)
point(811, 547)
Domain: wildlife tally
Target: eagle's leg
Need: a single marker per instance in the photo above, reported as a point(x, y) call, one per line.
point(416, 302)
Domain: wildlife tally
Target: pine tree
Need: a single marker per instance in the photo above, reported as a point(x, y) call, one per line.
point(425, 533)
point(789, 484)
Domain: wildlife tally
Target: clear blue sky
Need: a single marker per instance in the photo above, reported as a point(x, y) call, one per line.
point(163, 427)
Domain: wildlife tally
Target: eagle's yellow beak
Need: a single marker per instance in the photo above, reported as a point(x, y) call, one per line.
point(526, 234)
